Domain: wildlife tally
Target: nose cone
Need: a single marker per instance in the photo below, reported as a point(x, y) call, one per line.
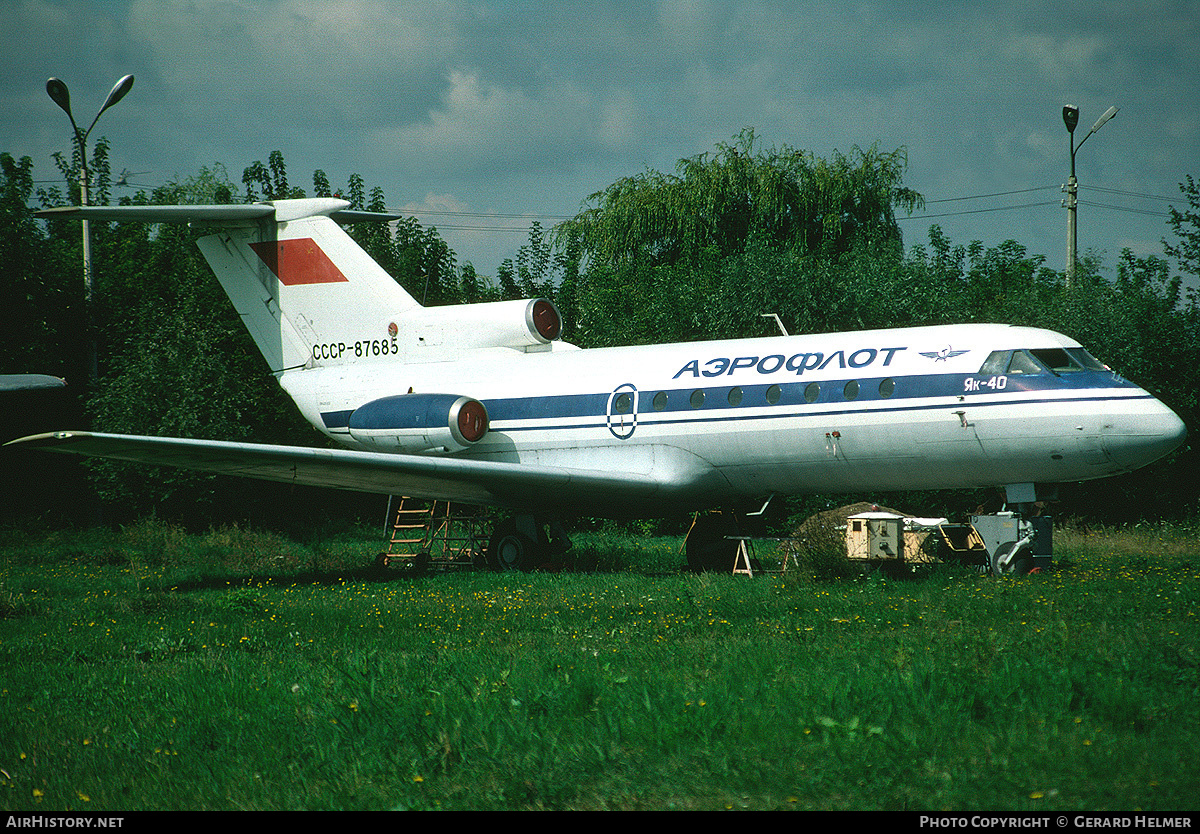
point(1142, 437)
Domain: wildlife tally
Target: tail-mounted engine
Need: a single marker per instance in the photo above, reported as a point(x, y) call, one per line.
point(420, 423)
point(524, 324)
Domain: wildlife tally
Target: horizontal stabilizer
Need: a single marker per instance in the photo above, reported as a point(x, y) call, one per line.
point(241, 214)
point(29, 382)
point(511, 485)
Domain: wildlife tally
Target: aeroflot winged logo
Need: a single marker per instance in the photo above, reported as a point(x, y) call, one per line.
point(298, 261)
point(943, 354)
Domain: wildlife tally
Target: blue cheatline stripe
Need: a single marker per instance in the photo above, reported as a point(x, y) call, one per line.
point(648, 418)
point(792, 393)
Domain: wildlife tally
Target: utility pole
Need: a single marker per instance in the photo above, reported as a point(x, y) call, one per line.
point(1070, 114)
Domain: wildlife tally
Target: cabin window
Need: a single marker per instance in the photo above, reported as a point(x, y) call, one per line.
point(851, 389)
point(697, 399)
point(660, 401)
point(857, 526)
point(887, 387)
point(773, 394)
point(735, 396)
point(623, 403)
point(811, 392)
point(1023, 363)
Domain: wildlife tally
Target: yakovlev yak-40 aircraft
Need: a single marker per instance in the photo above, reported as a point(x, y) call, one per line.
point(484, 404)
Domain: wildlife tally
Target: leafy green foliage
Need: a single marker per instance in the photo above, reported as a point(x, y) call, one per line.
point(41, 287)
point(721, 203)
point(1186, 226)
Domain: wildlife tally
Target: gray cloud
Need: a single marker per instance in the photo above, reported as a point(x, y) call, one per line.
point(526, 108)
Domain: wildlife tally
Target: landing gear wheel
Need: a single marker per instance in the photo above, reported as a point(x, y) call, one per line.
point(1004, 563)
point(510, 549)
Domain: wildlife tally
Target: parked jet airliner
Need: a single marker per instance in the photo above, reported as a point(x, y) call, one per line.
point(485, 404)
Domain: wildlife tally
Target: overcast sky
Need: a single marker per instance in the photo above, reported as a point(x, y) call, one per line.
point(479, 117)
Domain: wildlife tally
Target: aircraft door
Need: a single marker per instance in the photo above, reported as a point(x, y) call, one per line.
point(622, 411)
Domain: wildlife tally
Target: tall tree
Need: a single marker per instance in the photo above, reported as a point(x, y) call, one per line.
point(724, 200)
point(40, 294)
point(1186, 226)
point(270, 181)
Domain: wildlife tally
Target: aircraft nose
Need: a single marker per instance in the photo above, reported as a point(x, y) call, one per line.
point(1138, 438)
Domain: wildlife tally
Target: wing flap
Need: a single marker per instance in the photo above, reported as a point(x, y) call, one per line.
point(490, 483)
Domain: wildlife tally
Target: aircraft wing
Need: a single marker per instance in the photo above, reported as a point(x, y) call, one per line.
point(490, 483)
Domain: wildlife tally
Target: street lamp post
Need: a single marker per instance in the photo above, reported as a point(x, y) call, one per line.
point(57, 91)
point(1070, 115)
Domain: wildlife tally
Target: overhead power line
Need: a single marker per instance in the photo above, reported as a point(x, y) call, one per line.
point(1174, 199)
point(446, 213)
point(978, 211)
point(1125, 209)
point(996, 194)
point(554, 219)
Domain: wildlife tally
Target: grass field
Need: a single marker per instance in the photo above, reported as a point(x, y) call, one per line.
point(152, 669)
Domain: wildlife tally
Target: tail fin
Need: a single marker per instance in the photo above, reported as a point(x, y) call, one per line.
point(305, 290)
point(307, 293)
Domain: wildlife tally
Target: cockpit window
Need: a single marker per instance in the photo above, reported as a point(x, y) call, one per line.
point(1085, 359)
point(1057, 360)
point(1023, 363)
point(1037, 360)
point(996, 363)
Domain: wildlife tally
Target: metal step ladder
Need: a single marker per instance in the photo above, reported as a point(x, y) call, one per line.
point(434, 534)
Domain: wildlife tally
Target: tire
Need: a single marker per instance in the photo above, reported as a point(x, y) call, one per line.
point(1019, 566)
point(512, 550)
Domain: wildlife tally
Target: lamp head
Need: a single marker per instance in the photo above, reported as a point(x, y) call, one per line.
point(117, 93)
point(59, 94)
point(1070, 117)
point(1104, 117)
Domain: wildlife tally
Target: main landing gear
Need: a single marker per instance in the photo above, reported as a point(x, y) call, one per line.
point(524, 543)
point(438, 534)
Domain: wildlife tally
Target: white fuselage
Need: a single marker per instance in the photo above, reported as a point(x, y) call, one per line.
point(873, 410)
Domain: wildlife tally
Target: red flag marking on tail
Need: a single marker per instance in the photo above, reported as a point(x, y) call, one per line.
point(298, 261)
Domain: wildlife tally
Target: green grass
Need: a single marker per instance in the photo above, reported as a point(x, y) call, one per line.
point(151, 669)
